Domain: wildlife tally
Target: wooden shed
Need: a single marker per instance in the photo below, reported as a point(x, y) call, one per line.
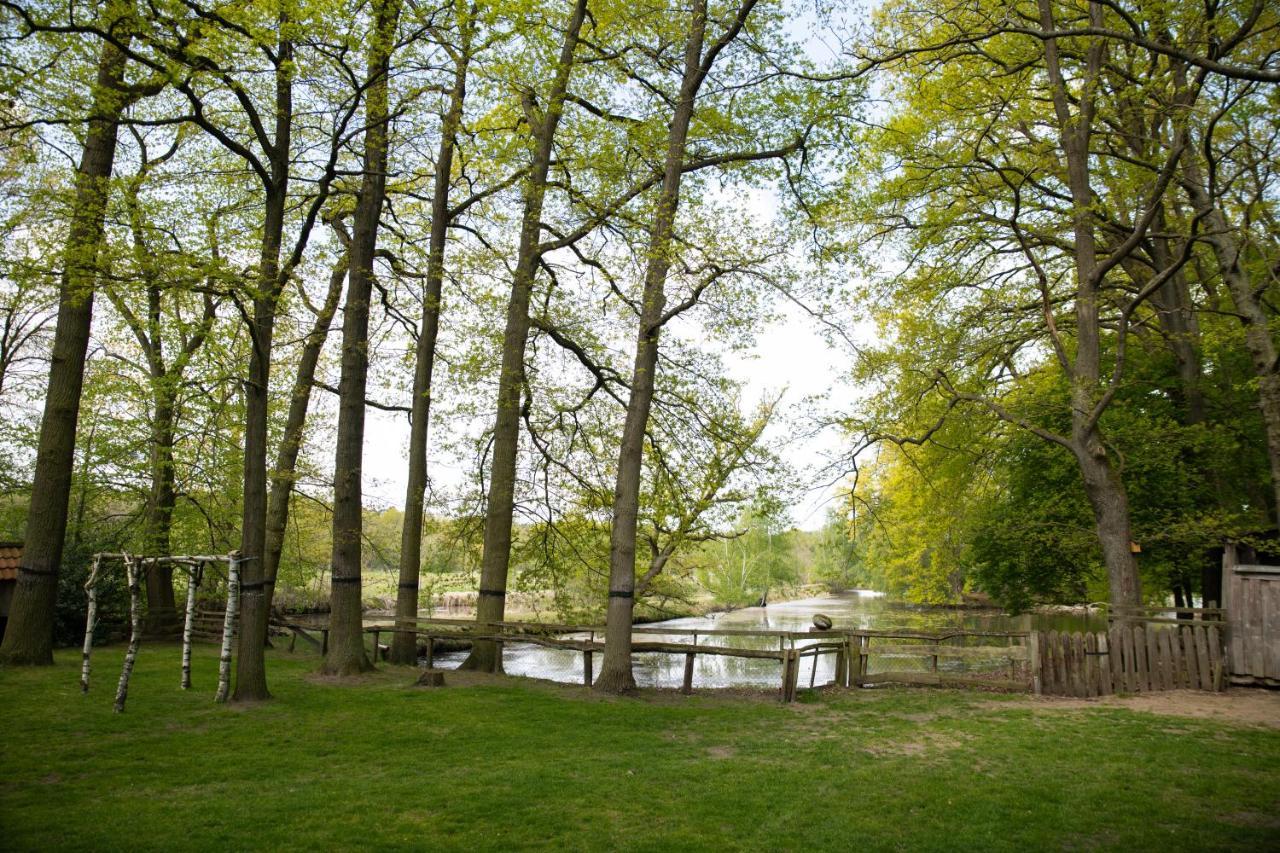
point(10, 556)
point(1251, 597)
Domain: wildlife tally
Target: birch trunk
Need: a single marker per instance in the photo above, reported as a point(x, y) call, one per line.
point(90, 624)
point(193, 586)
point(135, 632)
point(229, 627)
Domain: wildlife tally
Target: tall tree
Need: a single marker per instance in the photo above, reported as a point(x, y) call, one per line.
point(28, 637)
point(404, 646)
point(506, 435)
point(615, 673)
point(346, 654)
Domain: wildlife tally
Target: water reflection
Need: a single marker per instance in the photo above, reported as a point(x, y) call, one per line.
point(851, 610)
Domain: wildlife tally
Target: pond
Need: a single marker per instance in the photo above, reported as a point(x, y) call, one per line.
point(852, 610)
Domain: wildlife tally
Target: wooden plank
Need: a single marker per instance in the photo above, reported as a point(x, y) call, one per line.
point(1091, 664)
point(1033, 655)
point(1075, 664)
point(1189, 658)
point(1215, 657)
point(1179, 665)
point(1114, 657)
point(1270, 627)
point(1054, 660)
point(1153, 660)
point(1164, 650)
point(1202, 658)
point(1105, 684)
point(1141, 666)
point(947, 679)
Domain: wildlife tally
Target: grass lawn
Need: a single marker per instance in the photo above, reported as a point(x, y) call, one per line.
point(517, 764)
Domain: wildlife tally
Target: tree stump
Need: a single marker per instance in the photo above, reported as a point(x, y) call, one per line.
point(431, 678)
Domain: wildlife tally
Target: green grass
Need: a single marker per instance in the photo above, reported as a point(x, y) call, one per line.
point(381, 765)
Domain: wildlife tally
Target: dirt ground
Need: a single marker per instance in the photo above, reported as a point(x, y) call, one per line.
point(1240, 705)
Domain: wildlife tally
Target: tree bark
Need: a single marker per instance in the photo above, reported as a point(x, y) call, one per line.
point(404, 646)
point(28, 637)
point(251, 672)
point(615, 671)
point(494, 564)
point(1221, 238)
point(1102, 483)
point(346, 654)
point(283, 474)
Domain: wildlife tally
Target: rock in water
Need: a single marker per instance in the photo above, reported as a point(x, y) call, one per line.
point(431, 678)
point(822, 622)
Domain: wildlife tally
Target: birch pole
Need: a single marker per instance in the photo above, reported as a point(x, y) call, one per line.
point(193, 584)
point(228, 625)
point(135, 629)
point(90, 622)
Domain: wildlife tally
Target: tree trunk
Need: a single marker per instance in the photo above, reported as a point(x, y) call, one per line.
point(162, 613)
point(1257, 332)
point(346, 654)
point(28, 637)
point(491, 603)
point(615, 671)
point(1102, 483)
point(1110, 504)
point(251, 673)
point(404, 646)
point(283, 475)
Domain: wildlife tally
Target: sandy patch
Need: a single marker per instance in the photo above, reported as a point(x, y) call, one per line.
point(1245, 706)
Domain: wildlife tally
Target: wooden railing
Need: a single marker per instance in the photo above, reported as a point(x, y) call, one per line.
point(917, 653)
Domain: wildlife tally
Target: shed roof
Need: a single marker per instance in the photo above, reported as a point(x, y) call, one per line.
point(10, 556)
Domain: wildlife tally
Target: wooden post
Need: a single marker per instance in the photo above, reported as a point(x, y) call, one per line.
point(324, 646)
point(586, 667)
point(90, 623)
point(376, 637)
point(135, 632)
point(793, 676)
point(229, 625)
point(687, 687)
point(1033, 658)
point(864, 658)
point(431, 652)
point(842, 664)
point(293, 639)
point(193, 583)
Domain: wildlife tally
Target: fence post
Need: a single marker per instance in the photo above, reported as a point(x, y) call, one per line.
point(1033, 653)
point(431, 651)
point(586, 667)
point(687, 687)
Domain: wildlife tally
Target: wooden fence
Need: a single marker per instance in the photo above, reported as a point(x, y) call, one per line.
point(1130, 657)
point(1139, 653)
point(861, 658)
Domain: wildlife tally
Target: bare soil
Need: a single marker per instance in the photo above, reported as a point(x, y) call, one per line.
point(1240, 705)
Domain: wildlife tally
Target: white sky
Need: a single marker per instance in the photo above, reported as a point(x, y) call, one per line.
point(789, 354)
